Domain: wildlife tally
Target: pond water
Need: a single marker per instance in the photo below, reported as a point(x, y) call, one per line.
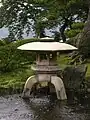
point(13, 107)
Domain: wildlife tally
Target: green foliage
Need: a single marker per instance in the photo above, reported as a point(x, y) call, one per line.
point(23, 15)
point(11, 58)
point(76, 29)
point(71, 41)
point(40, 26)
point(72, 33)
point(13, 82)
point(14, 66)
point(18, 16)
point(21, 42)
point(63, 61)
point(1, 43)
point(88, 70)
point(84, 46)
point(78, 25)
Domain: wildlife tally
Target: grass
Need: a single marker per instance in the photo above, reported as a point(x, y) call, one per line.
point(63, 60)
point(13, 82)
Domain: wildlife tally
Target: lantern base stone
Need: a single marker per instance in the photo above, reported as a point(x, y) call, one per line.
point(32, 84)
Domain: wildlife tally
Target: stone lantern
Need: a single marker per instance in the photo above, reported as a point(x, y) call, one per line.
point(46, 66)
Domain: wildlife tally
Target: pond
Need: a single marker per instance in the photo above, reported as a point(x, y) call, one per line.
point(13, 107)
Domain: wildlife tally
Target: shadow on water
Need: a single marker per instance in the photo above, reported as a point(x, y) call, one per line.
point(48, 108)
point(43, 108)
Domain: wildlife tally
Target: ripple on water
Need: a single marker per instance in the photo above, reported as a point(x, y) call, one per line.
point(15, 108)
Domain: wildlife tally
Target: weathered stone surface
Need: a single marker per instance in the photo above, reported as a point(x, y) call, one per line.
point(31, 85)
point(74, 81)
point(74, 77)
point(59, 87)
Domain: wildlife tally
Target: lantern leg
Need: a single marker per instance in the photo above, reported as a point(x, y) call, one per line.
point(59, 86)
point(28, 86)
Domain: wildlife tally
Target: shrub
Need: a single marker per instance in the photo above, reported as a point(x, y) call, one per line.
point(71, 33)
point(2, 43)
point(11, 58)
point(76, 29)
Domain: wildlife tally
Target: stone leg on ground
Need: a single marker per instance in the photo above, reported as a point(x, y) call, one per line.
point(59, 86)
point(28, 86)
point(63, 93)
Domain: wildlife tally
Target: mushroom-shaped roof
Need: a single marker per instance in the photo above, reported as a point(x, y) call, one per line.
point(47, 46)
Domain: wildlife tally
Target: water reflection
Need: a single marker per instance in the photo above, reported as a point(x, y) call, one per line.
point(44, 108)
point(49, 109)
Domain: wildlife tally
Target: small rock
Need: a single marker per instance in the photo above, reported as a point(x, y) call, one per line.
point(16, 109)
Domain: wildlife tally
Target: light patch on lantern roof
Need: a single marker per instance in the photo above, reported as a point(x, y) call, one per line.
point(47, 46)
point(47, 38)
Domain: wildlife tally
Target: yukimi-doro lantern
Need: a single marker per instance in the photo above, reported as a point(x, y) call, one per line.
point(46, 66)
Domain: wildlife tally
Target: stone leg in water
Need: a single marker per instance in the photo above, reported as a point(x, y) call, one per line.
point(61, 95)
point(59, 86)
point(26, 93)
point(28, 86)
